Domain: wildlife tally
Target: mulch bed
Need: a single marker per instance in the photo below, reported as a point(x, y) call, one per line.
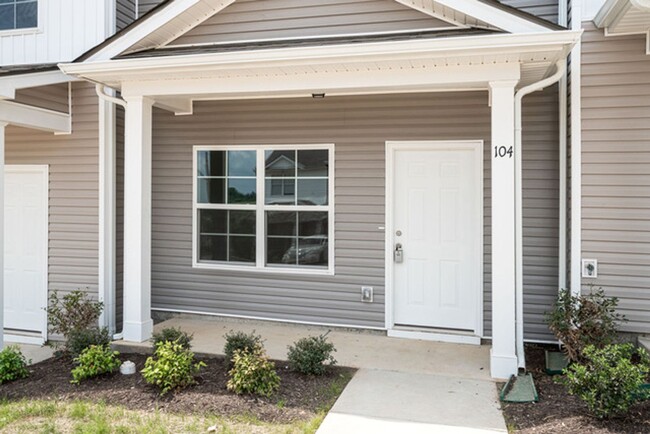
point(559, 412)
point(299, 398)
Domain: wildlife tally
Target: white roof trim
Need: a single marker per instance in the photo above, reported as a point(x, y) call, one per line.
point(10, 83)
point(34, 117)
point(180, 16)
point(625, 17)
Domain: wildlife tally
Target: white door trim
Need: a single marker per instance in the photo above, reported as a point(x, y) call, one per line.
point(44, 170)
point(391, 146)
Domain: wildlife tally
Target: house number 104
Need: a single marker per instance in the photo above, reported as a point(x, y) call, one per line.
point(503, 151)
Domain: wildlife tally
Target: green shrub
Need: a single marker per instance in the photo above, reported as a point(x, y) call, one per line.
point(608, 381)
point(73, 312)
point(13, 365)
point(173, 334)
point(241, 341)
point(94, 361)
point(79, 340)
point(253, 373)
point(311, 355)
point(172, 366)
point(579, 321)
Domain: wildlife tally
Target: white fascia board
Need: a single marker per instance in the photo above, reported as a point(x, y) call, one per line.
point(147, 28)
point(495, 16)
point(610, 10)
point(11, 83)
point(125, 69)
point(34, 117)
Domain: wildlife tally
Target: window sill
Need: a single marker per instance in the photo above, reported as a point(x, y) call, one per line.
point(19, 32)
point(259, 270)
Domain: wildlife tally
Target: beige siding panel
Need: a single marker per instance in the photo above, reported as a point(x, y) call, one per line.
point(54, 97)
point(359, 127)
point(125, 13)
point(248, 20)
point(73, 190)
point(616, 170)
point(547, 9)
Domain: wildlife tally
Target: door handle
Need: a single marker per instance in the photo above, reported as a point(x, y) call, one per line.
point(398, 253)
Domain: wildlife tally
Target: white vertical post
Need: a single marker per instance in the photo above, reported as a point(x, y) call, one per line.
point(503, 358)
point(576, 153)
point(3, 125)
point(138, 325)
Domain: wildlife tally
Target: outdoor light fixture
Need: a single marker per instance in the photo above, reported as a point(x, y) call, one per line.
point(318, 95)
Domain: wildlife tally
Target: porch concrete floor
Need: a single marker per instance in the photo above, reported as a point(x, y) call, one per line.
point(405, 386)
point(35, 353)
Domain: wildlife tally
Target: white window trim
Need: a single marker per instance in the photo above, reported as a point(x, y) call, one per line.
point(261, 208)
point(40, 16)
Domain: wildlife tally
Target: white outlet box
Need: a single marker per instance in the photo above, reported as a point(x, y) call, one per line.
point(367, 294)
point(590, 268)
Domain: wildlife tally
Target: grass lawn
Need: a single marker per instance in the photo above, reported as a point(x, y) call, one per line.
point(84, 417)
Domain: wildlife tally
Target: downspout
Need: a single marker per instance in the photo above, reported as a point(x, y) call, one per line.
point(563, 13)
point(519, 257)
point(103, 96)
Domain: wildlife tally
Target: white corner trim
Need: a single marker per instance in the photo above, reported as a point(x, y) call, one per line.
point(34, 117)
point(576, 156)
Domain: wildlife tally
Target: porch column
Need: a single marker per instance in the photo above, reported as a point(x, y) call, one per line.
point(138, 325)
point(503, 358)
point(3, 126)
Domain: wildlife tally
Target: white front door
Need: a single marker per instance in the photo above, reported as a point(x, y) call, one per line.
point(437, 219)
point(25, 249)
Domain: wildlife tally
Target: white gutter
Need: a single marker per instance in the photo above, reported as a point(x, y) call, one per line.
point(519, 287)
point(107, 200)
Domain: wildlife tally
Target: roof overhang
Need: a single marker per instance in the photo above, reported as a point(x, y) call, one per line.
point(459, 63)
point(10, 83)
point(625, 17)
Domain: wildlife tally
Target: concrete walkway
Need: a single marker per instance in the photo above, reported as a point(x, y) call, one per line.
point(402, 386)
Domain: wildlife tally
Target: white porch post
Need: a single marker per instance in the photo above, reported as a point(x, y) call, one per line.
point(138, 325)
point(3, 126)
point(503, 358)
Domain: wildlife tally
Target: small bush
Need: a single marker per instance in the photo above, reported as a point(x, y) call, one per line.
point(173, 334)
point(311, 355)
point(79, 340)
point(253, 373)
point(241, 341)
point(94, 361)
point(608, 381)
point(73, 312)
point(172, 366)
point(13, 365)
point(579, 321)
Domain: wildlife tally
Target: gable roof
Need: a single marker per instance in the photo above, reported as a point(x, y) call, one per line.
point(173, 18)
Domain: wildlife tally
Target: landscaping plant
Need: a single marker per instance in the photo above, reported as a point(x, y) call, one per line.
point(253, 373)
point(238, 340)
point(94, 361)
point(13, 365)
point(172, 366)
point(79, 340)
point(72, 313)
point(609, 379)
point(311, 355)
point(173, 334)
point(582, 320)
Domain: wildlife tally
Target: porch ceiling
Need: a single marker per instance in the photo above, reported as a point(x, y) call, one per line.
point(455, 63)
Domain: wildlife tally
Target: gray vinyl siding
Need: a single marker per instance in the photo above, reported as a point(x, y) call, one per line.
point(547, 9)
point(73, 190)
point(125, 13)
point(248, 20)
point(54, 97)
point(145, 6)
point(616, 170)
point(359, 127)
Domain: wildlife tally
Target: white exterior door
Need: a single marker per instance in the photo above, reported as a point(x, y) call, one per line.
point(25, 272)
point(437, 220)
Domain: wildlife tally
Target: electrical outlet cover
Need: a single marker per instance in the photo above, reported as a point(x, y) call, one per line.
point(366, 294)
point(590, 268)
